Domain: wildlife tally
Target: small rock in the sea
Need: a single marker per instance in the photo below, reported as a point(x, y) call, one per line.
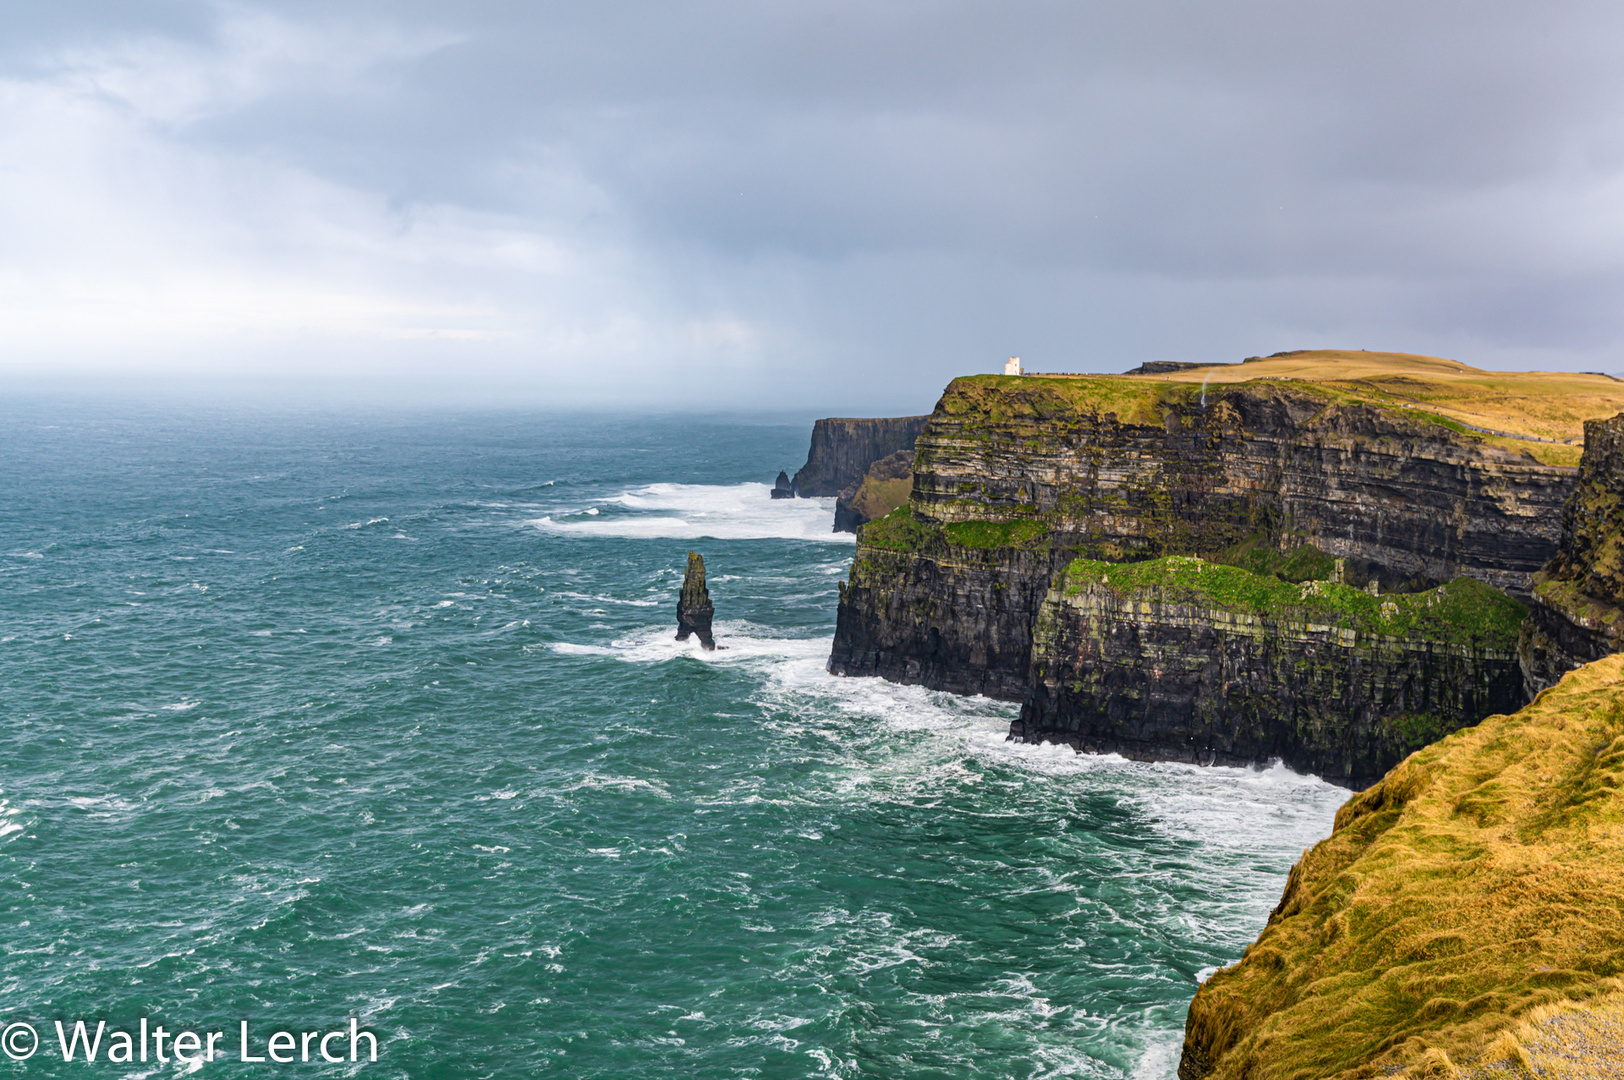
point(694, 608)
point(783, 488)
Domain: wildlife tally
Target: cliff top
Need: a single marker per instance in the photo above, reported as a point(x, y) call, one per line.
point(1542, 413)
point(1474, 888)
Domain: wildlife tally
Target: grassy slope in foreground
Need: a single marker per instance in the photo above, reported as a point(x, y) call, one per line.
point(1478, 885)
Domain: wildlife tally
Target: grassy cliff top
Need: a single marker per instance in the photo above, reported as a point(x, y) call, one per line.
point(1547, 404)
point(1457, 902)
point(1528, 405)
point(1464, 612)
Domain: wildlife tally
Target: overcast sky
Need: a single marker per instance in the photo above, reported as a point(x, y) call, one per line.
point(798, 203)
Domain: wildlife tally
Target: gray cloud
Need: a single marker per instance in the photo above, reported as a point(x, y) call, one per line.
point(835, 199)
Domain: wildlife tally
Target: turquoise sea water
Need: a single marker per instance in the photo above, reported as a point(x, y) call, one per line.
point(311, 716)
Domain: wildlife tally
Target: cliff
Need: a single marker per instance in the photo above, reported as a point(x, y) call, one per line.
point(1464, 919)
point(1014, 477)
point(1578, 598)
point(883, 488)
point(1177, 659)
point(843, 449)
point(950, 607)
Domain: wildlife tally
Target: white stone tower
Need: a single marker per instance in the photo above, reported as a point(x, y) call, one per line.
point(1013, 367)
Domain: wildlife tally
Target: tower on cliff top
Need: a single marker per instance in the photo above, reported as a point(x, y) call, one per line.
point(1013, 367)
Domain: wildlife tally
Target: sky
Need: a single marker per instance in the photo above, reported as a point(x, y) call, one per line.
point(800, 204)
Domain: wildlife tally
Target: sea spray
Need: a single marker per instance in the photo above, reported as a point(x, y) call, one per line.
point(532, 833)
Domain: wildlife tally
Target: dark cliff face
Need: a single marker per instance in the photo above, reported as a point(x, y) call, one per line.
point(1323, 677)
point(1414, 501)
point(843, 449)
point(1578, 601)
point(885, 486)
point(924, 608)
point(1036, 472)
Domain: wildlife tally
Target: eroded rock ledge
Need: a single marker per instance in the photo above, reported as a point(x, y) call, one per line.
point(1178, 659)
point(1578, 598)
point(843, 448)
point(1015, 477)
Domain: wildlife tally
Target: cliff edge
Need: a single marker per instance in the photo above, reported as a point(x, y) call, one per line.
point(885, 486)
point(1179, 659)
point(1578, 597)
point(843, 448)
point(1015, 477)
point(1460, 910)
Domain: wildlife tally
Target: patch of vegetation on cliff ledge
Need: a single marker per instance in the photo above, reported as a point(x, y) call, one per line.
point(1302, 563)
point(1464, 612)
point(1456, 907)
point(901, 531)
point(898, 531)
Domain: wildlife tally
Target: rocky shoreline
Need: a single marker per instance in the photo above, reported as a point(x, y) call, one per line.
point(1270, 572)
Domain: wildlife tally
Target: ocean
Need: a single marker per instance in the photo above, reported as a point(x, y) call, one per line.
point(315, 716)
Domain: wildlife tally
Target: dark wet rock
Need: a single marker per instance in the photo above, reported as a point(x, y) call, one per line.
point(1578, 609)
point(694, 608)
point(1011, 483)
point(1318, 676)
point(783, 488)
point(843, 448)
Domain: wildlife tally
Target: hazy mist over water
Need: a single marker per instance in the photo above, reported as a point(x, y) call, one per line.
point(830, 204)
point(320, 717)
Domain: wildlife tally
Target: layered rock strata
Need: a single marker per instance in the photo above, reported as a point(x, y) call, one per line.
point(946, 607)
point(694, 610)
point(843, 448)
point(1578, 598)
point(1015, 477)
point(1178, 659)
point(1470, 895)
point(883, 488)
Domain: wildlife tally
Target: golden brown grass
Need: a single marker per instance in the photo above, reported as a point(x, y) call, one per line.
point(876, 498)
point(1481, 881)
point(1568, 1041)
point(1547, 404)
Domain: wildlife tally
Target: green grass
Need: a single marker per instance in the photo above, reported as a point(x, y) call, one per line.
point(898, 531)
point(1465, 611)
point(1469, 893)
point(1003, 398)
point(1303, 563)
point(901, 531)
point(994, 534)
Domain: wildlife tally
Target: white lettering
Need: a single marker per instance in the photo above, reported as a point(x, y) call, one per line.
point(325, 1039)
point(357, 1034)
point(280, 1040)
point(244, 1055)
point(80, 1036)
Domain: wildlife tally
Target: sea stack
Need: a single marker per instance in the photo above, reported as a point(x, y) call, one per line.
point(694, 609)
point(784, 488)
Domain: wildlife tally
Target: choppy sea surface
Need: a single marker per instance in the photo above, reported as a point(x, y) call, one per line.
point(312, 716)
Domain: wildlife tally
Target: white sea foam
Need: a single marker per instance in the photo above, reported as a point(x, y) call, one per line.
point(692, 511)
